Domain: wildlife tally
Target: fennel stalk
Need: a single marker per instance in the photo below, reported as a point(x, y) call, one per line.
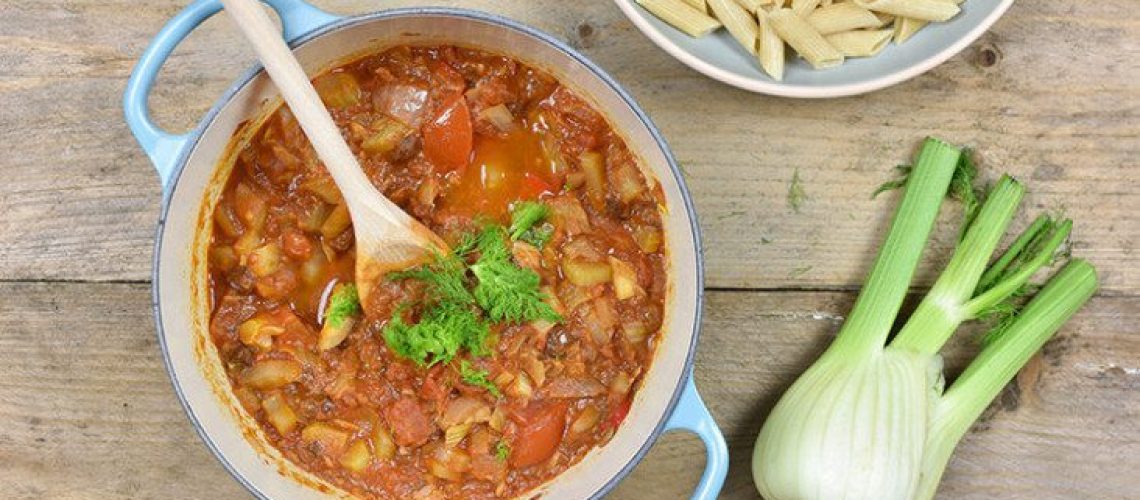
point(869, 419)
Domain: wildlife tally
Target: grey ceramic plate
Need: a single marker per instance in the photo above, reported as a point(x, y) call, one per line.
point(719, 56)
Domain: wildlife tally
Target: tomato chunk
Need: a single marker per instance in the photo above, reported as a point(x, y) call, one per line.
point(537, 440)
point(617, 415)
point(409, 423)
point(535, 186)
point(502, 169)
point(448, 138)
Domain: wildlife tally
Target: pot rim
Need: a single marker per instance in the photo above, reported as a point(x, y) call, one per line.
point(245, 78)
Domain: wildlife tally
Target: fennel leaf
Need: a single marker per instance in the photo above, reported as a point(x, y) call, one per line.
point(342, 305)
point(502, 451)
point(449, 320)
point(445, 277)
point(505, 291)
point(438, 336)
point(796, 193)
point(477, 377)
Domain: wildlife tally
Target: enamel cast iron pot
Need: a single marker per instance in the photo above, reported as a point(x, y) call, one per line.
point(193, 167)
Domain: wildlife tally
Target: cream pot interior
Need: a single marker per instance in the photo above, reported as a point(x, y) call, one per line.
point(180, 289)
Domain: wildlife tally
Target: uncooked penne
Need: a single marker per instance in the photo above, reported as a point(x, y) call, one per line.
point(681, 16)
point(906, 27)
point(752, 5)
point(738, 21)
point(860, 43)
point(842, 17)
point(822, 32)
point(700, 5)
point(769, 47)
point(804, 39)
point(927, 10)
point(804, 7)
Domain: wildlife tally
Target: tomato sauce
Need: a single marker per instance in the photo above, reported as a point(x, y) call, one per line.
point(503, 169)
point(456, 137)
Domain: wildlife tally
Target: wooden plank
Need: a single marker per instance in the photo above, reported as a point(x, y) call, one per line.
point(79, 199)
point(88, 409)
point(90, 414)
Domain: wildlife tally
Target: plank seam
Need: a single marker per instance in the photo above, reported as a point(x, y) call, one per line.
point(716, 289)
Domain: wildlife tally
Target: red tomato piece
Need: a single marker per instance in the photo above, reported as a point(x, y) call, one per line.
point(537, 440)
point(617, 415)
point(448, 138)
point(534, 186)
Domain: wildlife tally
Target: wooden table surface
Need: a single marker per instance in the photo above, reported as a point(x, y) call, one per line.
point(1051, 94)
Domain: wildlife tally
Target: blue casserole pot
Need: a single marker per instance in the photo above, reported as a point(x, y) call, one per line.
point(193, 167)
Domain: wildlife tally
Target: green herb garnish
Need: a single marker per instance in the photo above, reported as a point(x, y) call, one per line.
point(502, 450)
point(796, 193)
point(445, 276)
point(527, 223)
point(524, 215)
point(538, 235)
point(477, 377)
point(342, 305)
point(449, 320)
point(505, 291)
point(441, 332)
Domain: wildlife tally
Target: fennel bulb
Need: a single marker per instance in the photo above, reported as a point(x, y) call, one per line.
point(870, 420)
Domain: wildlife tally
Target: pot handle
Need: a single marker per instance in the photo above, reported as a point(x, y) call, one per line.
point(692, 415)
point(163, 148)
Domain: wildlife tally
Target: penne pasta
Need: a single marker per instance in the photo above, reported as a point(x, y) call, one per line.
point(769, 47)
point(927, 10)
point(804, 7)
point(794, 30)
point(701, 5)
point(842, 17)
point(752, 5)
point(860, 43)
point(681, 16)
point(905, 27)
point(822, 32)
point(739, 22)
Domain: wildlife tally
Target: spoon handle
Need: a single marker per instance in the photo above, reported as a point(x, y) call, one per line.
point(310, 112)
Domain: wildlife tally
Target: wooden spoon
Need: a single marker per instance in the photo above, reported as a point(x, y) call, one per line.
point(387, 238)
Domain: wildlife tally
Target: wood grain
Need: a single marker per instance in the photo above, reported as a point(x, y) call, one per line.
point(92, 415)
point(1049, 109)
point(87, 408)
point(1048, 95)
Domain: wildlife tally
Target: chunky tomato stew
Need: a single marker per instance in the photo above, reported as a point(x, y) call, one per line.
point(486, 371)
